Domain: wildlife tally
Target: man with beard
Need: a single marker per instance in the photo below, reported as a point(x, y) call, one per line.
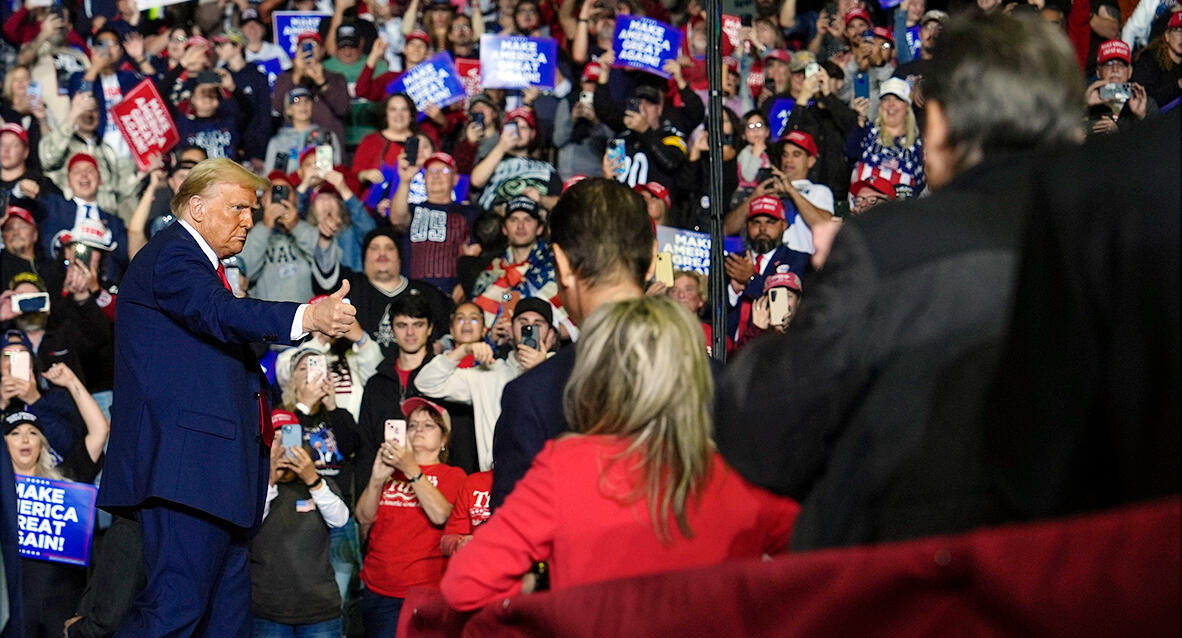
point(19, 228)
point(766, 252)
point(381, 284)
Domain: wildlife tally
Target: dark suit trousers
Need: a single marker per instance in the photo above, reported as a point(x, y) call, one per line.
point(198, 577)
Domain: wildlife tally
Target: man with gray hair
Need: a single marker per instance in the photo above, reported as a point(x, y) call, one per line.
point(908, 288)
point(192, 425)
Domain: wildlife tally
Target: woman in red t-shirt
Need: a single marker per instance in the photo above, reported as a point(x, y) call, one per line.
point(639, 488)
point(403, 508)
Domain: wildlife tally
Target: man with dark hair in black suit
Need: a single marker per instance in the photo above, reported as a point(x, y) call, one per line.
point(603, 252)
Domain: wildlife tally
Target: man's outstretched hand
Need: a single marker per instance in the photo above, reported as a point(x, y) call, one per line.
point(334, 316)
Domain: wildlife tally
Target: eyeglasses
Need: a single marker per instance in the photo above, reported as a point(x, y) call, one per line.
point(439, 170)
point(470, 320)
point(1115, 64)
point(868, 201)
point(180, 39)
point(424, 425)
point(461, 27)
point(755, 125)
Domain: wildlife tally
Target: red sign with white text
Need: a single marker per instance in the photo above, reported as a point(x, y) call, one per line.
point(143, 119)
point(469, 71)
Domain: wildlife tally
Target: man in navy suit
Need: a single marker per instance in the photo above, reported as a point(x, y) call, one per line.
point(188, 453)
point(604, 250)
point(766, 222)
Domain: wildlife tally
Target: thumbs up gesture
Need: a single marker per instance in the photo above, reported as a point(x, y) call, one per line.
point(334, 316)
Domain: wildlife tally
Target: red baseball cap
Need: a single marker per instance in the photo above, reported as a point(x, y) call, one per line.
point(19, 213)
point(523, 112)
point(414, 403)
point(656, 190)
point(1114, 49)
point(779, 55)
point(441, 157)
point(782, 279)
point(419, 34)
point(876, 183)
point(17, 130)
point(79, 158)
point(1175, 20)
point(856, 13)
point(885, 33)
point(280, 418)
point(591, 72)
point(309, 35)
point(766, 205)
point(803, 140)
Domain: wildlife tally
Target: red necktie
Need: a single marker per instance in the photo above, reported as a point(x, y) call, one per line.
point(222, 276)
point(758, 266)
point(266, 432)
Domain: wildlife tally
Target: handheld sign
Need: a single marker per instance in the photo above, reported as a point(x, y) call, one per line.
point(645, 44)
point(143, 119)
point(290, 25)
point(778, 116)
point(55, 519)
point(432, 81)
point(469, 71)
point(517, 62)
point(730, 28)
point(690, 249)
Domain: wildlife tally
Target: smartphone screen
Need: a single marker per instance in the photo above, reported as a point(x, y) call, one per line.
point(281, 160)
point(20, 363)
point(665, 268)
point(477, 118)
point(30, 302)
point(317, 369)
point(396, 431)
point(34, 93)
point(323, 159)
point(633, 105)
point(763, 175)
point(511, 130)
point(778, 305)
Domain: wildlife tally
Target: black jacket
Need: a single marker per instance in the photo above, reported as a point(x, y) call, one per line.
point(908, 287)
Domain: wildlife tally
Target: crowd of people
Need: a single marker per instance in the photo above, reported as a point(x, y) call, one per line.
point(481, 241)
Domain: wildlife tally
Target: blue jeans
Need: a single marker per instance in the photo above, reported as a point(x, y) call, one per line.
point(344, 555)
point(380, 614)
point(326, 629)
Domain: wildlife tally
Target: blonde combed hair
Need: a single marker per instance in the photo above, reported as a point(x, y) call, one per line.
point(208, 173)
point(641, 374)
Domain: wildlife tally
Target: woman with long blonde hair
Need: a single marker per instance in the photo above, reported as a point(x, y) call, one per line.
point(638, 488)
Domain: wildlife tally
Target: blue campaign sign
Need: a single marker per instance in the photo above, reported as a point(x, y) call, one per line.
point(418, 188)
point(912, 37)
point(887, 5)
point(55, 519)
point(517, 62)
point(778, 116)
point(691, 249)
point(645, 44)
point(432, 81)
point(289, 25)
point(271, 68)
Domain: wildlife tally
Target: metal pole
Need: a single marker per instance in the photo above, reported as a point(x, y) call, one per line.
point(717, 209)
